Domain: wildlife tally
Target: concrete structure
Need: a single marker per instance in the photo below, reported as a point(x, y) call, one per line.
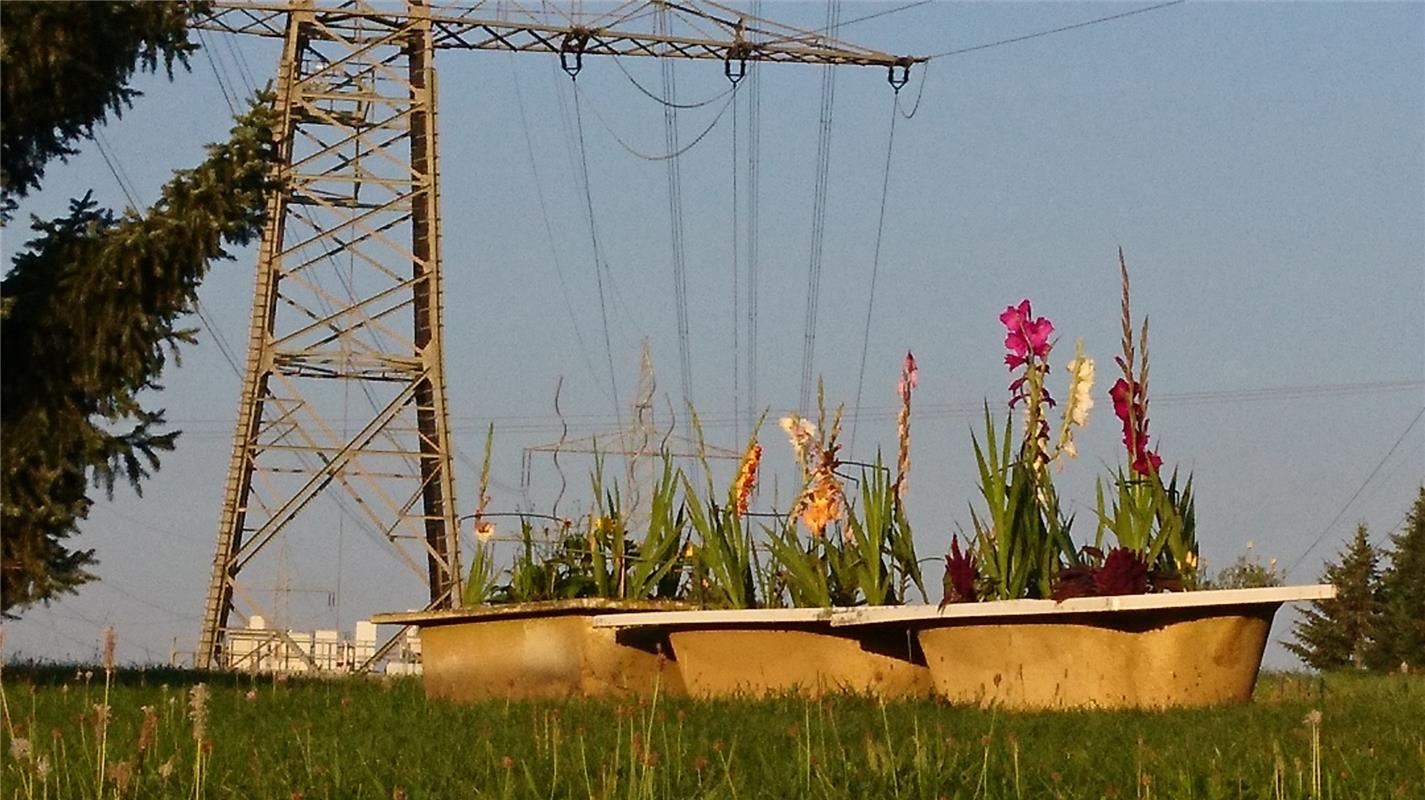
point(538, 650)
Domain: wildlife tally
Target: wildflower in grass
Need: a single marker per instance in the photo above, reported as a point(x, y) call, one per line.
point(20, 749)
point(109, 641)
point(198, 710)
point(148, 730)
point(42, 768)
point(250, 696)
point(101, 717)
point(485, 531)
point(121, 773)
point(746, 478)
point(910, 376)
point(961, 573)
point(165, 770)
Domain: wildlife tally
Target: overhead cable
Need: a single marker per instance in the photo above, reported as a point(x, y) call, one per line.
point(1039, 34)
point(597, 251)
point(664, 99)
point(1321, 536)
point(875, 267)
point(673, 153)
point(754, 117)
point(548, 226)
point(818, 222)
point(675, 223)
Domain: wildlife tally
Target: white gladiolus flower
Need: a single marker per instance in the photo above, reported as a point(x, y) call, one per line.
point(800, 432)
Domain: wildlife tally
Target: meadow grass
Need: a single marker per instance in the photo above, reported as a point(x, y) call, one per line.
point(380, 738)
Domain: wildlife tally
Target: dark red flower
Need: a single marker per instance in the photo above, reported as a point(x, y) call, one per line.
point(961, 573)
point(1124, 571)
point(1073, 582)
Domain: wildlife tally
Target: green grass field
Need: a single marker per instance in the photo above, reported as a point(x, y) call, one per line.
point(358, 738)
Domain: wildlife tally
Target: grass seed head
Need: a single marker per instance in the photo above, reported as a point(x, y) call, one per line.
point(109, 642)
point(198, 710)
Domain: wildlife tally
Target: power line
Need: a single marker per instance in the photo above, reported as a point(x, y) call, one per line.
point(114, 170)
point(818, 222)
point(220, 74)
point(548, 226)
point(887, 12)
point(736, 267)
point(597, 252)
point(665, 99)
point(1362, 488)
point(967, 409)
point(673, 151)
point(675, 224)
point(875, 266)
point(754, 128)
point(1026, 37)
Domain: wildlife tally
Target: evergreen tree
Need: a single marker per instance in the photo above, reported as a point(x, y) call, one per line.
point(1400, 632)
point(90, 308)
point(65, 67)
point(1336, 633)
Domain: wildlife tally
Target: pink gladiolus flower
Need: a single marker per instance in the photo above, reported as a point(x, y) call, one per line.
point(1025, 334)
point(1014, 316)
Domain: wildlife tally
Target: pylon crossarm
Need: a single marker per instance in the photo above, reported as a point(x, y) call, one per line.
point(546, 31)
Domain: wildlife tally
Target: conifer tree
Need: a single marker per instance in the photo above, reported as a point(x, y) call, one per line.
point(1336, 633)
point(91, 308)
point(1400, 632)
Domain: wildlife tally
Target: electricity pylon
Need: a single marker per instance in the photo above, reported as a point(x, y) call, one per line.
point(348, 286)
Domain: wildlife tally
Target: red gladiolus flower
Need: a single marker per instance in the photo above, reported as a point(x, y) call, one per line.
point(1123, 572)
point(1129, 397)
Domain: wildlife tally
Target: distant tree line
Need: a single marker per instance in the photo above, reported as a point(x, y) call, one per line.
point(1377, 619)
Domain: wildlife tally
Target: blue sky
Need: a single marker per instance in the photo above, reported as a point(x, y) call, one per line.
point(1263, 165)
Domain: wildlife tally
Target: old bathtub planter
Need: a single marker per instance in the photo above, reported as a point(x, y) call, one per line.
point(760, 652)
point(1132, 651)
point(543, 650)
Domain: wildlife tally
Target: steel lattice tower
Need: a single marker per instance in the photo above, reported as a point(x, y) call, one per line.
point(348, 285)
